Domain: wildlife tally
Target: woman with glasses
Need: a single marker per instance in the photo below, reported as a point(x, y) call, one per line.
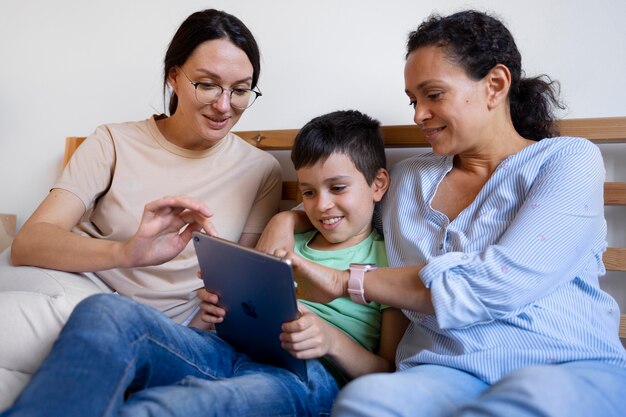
point(107, 212)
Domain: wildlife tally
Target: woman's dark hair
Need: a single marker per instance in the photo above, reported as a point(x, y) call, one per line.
point(478, 42)
point(208, 25)
point(349, 132)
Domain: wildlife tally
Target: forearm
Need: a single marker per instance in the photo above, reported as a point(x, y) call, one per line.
point(397, 287)
point(278, 234)
point(295, 220)
point(401, 287)
point(353, 359)
point(46, 245)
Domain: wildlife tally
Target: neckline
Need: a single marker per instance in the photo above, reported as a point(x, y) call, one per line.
point(349, 249)
point(177, 150)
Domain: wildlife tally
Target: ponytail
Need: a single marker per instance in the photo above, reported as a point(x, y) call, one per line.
point(173, 103)
point(532, 102)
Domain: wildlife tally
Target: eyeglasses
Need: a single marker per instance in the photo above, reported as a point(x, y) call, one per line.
point(209, 93)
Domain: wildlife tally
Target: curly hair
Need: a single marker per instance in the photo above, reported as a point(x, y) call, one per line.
point(478, 42)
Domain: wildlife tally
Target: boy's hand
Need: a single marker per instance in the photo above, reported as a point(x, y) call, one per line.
point(308, 337)
point(210, 311)
point(315, 282)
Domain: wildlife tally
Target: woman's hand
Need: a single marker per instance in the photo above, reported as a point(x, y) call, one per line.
point(165, 229)
point(315, 282)
point(308, 337)
point(166, 226)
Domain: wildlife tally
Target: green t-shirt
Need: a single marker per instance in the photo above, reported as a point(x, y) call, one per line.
point(361, 322)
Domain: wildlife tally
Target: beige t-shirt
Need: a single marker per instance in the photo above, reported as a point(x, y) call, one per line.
point(122, 167)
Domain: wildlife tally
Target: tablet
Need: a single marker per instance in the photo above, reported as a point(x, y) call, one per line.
point(258, 293)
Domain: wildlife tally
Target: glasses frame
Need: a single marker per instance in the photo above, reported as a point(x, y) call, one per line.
point(257, 93)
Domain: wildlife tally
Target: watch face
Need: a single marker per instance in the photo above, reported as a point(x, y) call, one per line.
point(362, 266)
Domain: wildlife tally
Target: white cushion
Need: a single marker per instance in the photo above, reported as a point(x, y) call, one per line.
point(11, 384)
point(34, 305)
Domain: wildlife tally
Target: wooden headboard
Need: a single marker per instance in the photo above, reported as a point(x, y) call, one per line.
point(599, 130)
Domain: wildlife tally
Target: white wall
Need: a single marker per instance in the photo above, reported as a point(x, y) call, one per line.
point(70, 65)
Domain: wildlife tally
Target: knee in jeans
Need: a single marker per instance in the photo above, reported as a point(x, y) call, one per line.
point(541, 375)
point(105, 309)
point(534, 382)
point(364, 387)
point(101, 303)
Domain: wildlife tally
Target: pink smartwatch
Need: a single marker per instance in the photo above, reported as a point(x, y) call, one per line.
point(355, 283)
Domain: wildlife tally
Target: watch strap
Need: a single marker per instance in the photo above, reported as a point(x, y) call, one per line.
point(355, 282)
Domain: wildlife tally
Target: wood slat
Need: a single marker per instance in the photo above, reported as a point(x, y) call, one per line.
point(599, 130)
point(405, 136)
point(615, 193)
point(622, 326)
point(291, 191)
point(270, 139)
point(615, 259)
point(71, 144)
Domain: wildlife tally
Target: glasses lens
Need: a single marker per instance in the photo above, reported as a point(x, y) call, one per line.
point(208, 93)
point(240, 98)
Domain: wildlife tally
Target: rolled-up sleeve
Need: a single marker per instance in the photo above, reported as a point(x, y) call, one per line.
point(551, 239)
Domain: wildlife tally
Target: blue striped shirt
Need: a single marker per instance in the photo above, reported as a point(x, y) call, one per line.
point(514, 278)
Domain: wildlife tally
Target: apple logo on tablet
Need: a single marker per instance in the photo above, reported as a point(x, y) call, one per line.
point(249, 309)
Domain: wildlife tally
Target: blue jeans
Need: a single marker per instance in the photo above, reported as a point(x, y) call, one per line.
point(112, 346)
point(574, 389)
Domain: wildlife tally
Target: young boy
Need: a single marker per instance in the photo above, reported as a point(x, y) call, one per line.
point(340, 164)
point(111, 344)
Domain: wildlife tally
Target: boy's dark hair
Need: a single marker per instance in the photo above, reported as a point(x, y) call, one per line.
point(478, 42)
point(349, 132)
